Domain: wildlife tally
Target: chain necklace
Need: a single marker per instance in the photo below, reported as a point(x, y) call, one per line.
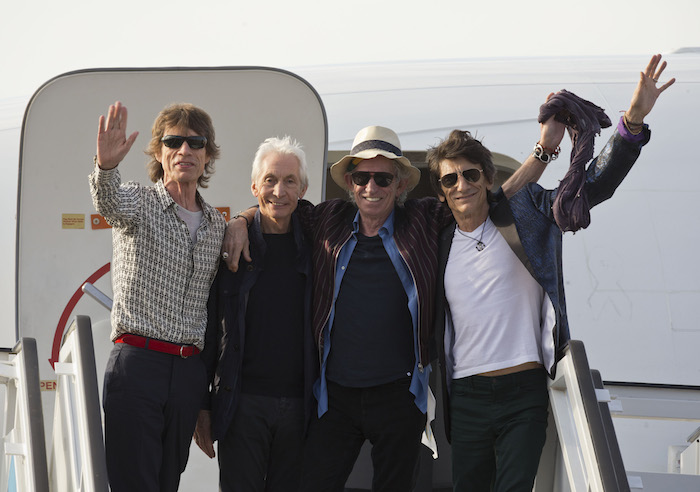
point(479, 243)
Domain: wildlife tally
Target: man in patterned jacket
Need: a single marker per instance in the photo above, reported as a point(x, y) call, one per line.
point(166, 242)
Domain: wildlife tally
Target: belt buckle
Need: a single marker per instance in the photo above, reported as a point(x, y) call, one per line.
point(182, 347)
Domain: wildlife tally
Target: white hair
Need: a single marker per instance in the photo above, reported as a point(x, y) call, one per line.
point(281, 146)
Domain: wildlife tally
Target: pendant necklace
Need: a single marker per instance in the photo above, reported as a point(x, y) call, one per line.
point(479, 243)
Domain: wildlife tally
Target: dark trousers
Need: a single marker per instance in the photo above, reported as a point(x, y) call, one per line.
point(262, 449)
point(498, 430)
point(386, 415)
point(151, 401)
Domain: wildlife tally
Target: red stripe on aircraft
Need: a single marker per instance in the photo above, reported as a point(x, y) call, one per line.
point(63, 321)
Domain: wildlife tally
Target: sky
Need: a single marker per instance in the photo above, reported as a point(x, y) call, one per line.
point(42, 39)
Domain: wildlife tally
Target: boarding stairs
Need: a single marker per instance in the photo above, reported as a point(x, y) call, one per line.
point(75, 458)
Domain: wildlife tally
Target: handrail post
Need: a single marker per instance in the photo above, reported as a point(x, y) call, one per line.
point(77, 452)
point(23, 437)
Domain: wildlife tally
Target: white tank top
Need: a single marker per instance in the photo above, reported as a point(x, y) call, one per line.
point(495, 304)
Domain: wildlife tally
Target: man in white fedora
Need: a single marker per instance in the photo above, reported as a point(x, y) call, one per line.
point(374, 272)
point(375, 266)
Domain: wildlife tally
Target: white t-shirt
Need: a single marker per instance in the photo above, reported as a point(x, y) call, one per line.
point(192, 219)
point(495, 304)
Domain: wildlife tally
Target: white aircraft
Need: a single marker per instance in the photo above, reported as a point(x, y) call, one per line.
point(633, 284)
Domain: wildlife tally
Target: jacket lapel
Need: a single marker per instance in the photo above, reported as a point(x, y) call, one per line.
point(502, 217)
point(444, 247)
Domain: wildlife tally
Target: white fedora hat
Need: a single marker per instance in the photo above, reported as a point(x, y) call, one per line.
point(371, 142)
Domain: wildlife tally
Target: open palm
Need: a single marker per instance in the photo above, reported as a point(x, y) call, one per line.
point(112, 143)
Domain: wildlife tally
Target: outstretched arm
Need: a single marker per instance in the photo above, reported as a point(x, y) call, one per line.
point(551, 133)
point(643, 99)
point(646, 93)
point(608, 170)
point(112, 144)
point(118, 203)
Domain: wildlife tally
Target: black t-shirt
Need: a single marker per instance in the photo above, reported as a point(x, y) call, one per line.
point(372, 333)
point(273, 358)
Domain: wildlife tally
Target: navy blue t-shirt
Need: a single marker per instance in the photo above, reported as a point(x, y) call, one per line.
point(372, 333)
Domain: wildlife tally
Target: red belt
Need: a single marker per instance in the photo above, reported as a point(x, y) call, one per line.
point(183, 351)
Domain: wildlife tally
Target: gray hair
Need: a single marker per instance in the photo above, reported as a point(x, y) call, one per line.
point(402, 172)
point(281, 146)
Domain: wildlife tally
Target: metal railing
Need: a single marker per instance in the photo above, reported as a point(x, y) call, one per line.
point(77, 454)
point(588, 450)
point(24, 445)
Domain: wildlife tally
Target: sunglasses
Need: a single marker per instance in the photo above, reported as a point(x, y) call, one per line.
point(361, 178)
point(176, 141)
point(471, 175)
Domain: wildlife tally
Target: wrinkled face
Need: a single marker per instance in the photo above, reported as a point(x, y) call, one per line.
point(184, 164)
point(376, 202)
point(465, 197)
point(279, 186)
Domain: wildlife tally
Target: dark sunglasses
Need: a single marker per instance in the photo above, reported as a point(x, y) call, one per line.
point(176, 141)
point(361, 178)
point(471, 175)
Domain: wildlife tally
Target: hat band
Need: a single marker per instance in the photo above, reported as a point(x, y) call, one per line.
point(376, 144)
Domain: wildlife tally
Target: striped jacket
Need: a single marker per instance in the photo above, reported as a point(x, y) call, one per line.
point(416, 229)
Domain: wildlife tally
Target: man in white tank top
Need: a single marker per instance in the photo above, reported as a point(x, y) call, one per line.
point(501, 296)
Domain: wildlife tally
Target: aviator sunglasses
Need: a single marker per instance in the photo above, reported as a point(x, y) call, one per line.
point(471, 175)
point(361, 178)
point(176, 141)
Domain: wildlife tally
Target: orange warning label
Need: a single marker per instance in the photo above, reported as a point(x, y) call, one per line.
point(99, 222)
point(225, 211)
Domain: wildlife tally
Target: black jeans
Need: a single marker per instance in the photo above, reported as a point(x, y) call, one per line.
point(261, 451)
point(386, 415)
point(151, 401)
point(498, 429)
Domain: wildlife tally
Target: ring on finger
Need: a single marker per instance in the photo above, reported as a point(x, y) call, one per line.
point(224, 255)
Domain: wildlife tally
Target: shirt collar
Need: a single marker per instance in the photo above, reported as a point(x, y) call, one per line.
point(167, 201)
point(386, 229)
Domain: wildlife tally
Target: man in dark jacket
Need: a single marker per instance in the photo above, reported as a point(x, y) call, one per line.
point(501, 298)
point(259, 352)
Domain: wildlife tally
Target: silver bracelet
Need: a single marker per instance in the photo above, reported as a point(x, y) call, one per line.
point(545, 157)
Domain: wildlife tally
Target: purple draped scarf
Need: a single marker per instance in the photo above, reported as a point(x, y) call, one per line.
point(583, 121)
